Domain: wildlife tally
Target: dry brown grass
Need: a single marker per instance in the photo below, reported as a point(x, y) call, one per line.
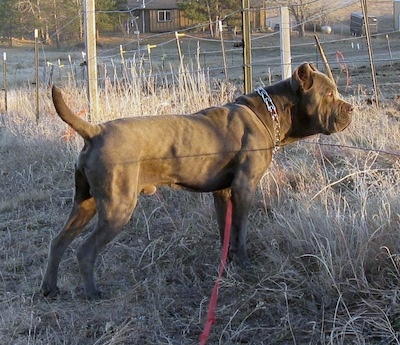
point(323, 238)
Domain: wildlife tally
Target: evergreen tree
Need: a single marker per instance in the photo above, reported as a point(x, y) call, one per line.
point(107, 15)
point(207, 10)
point(9, 20)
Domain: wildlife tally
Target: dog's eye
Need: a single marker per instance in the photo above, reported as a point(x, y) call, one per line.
point(329, 94)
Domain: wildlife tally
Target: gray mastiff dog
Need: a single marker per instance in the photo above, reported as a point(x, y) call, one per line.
point(224, 150)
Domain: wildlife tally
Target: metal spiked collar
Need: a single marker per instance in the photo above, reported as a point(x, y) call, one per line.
point(274, 114)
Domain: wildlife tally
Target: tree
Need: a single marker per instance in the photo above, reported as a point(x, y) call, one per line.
point(44, 15)
point(9, 21)
point(305, 11)
point(56, 20)
point(207, 10)
point(107, 16)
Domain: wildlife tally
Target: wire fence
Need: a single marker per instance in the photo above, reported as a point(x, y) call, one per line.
point(165, 57)
point(189, 54)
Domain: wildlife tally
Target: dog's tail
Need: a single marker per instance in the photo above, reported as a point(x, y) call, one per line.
point(85, 129)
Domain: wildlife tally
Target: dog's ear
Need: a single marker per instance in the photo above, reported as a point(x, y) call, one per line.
point(313, 67)
point(302, 76)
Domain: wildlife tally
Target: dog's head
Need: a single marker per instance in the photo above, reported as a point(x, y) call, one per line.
point(319, 109)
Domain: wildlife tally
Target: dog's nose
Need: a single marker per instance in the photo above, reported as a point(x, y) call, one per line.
point(349, 108)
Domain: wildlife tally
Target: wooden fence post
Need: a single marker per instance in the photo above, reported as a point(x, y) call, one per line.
point(5, 80)
point(183, 73)
point(149, 48)
point(247, 70)
point(37, 74)
point(223, 48)
point(177, 35)
point(91, 57)
point(370, 52)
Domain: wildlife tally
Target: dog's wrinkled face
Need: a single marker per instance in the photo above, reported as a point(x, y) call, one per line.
point(321, 109)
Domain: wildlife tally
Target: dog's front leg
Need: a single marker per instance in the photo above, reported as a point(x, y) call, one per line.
point(221, 198)
point(243, 188)
point(242, 198)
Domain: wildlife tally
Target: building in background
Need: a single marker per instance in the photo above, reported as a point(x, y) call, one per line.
point(156, 15)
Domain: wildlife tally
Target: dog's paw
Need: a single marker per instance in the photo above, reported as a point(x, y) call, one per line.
point(245, 264)
point(90, 295)
point(49, 291)
point(93, 296)
point(239, 258)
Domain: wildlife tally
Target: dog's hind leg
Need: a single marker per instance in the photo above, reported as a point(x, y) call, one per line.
point(82, 212)
point(106, 229)
point(114, 211)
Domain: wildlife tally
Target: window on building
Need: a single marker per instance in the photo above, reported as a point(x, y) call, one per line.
point(164, 16)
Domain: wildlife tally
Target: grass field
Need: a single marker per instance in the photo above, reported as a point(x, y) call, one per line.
point(323, 232)
point(323, 238)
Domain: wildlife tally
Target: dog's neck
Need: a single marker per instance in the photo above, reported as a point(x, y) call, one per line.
point(274, 115)
point(286, 100)
point(283, 98)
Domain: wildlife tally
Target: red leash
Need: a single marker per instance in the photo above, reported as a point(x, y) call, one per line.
point(213, 301)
